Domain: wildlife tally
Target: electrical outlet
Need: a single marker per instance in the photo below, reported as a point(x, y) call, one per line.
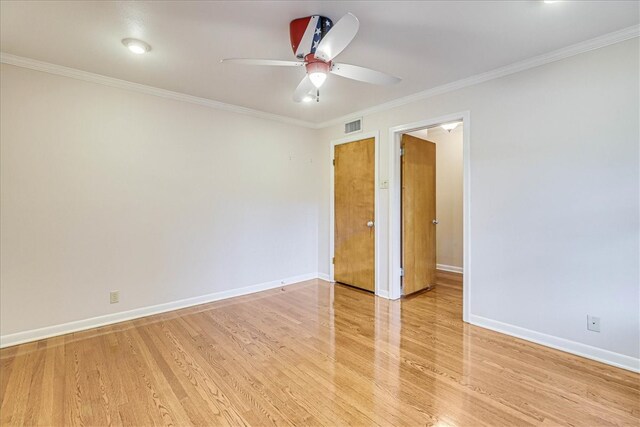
point(593, 323)
point(114, 297)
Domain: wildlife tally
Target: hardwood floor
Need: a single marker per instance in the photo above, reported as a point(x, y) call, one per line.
point(310, 354)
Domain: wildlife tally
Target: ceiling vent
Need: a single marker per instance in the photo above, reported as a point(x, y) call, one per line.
point(353, 126)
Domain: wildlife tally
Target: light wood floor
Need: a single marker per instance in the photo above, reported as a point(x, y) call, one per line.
point(310, 354)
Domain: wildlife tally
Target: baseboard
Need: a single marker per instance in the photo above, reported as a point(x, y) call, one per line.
point(108, 319)
point(324, 276)
point(605, 356)
point(383, 294)
point(450, 268)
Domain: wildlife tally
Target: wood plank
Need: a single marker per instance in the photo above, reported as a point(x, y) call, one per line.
point(310, 354)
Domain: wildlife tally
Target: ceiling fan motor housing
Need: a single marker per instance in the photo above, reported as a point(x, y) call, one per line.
point(315, 65)
point(306, 33)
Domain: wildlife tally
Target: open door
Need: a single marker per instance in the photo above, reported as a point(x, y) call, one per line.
point(418, 177)
point(354, 192)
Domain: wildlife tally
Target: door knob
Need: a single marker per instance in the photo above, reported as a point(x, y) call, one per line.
point(370, 224)
point(435, 222)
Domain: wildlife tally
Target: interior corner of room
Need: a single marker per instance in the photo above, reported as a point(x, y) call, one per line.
point(248, 241)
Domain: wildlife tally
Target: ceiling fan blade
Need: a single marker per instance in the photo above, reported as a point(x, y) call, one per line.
point(338, 37)
point(303, 90)
point(275, 62)
point(363, 74)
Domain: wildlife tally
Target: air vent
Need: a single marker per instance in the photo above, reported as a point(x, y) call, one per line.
point(353, 127)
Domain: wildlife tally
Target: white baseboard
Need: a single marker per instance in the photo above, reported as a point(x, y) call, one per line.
point(325, 277)
point(590, 352)
point(108, 319)
point(383, 294)
point(450, 268)
point(573, 347)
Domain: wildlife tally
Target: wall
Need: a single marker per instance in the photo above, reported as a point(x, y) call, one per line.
point(554, 199)
point(106, 189)
point(449, 177)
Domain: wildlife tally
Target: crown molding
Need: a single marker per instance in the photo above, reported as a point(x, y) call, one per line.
point(557, 55)
point(536, 61)
point(33, 64)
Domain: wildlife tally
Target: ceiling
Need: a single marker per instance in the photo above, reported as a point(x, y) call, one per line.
point(433, 132)
point(426, 43)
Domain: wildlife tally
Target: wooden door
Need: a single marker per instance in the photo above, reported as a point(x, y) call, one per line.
point(418, 214)
point(354, 191)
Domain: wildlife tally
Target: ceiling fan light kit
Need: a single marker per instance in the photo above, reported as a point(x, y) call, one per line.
point(316, 41)
point(317, 70)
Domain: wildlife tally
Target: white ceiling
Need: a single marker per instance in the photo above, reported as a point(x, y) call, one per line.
point(426, 43)
point(432, 132)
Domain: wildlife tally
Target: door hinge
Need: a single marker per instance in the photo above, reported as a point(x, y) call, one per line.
point(402, 151)
point(334, 162)
point(402, 272)
point(333, 260)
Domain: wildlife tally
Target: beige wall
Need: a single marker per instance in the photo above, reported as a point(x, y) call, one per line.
point(106, 189)
point(449, 190)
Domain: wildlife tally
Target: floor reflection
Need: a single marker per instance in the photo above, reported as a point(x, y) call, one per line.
point(309, 354)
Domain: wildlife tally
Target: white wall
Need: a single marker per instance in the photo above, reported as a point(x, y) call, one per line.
point(554, 197)
point(449, 193)
point(103, 189)
point(106, 189)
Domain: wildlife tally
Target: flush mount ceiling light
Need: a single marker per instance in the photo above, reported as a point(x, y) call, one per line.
point(450, 126)
point(136, 46)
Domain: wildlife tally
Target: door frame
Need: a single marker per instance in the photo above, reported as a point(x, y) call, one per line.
point(395, 233)
point(376, 200)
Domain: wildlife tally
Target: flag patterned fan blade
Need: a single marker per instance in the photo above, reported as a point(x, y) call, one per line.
point(338, 38)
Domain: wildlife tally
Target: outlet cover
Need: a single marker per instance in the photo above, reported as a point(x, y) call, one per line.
point(114, 297)
point(593, 323)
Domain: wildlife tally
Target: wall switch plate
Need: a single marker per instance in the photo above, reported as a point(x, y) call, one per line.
point(593, 323)
point(114, 297)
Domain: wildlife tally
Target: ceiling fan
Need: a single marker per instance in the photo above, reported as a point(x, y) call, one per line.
point(316, 42)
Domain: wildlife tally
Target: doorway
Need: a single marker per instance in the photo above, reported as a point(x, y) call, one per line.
point(417, 256)
point(354, 213)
